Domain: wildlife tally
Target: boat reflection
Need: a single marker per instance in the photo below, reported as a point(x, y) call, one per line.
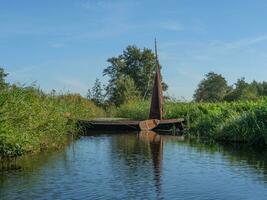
point(155, 142)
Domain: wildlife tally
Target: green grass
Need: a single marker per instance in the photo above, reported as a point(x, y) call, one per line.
point(31, 121)
point(241, 121)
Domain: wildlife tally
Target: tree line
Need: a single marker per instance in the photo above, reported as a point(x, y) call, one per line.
point(131, 76)
point(214, 88)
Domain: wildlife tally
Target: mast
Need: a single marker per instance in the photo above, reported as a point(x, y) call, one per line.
point(156, 107)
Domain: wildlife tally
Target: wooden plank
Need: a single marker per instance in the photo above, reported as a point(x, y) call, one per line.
point(147, 125)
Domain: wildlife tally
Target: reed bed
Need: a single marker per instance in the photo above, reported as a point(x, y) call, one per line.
point(31, 120)
point(240, 121)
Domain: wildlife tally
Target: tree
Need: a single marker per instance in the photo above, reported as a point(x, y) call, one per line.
point(124, 91)
point(213, 88)
point(135, 64)
point(243, 91)
point(96, 93)
point(261, 88)
point(250, 91)
point(3, 75)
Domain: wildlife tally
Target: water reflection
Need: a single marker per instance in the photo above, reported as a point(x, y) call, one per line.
point(141, 165)
point(155, 142)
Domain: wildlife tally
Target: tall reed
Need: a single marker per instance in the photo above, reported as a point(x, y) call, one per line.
point(31, 120)
point(241, 121)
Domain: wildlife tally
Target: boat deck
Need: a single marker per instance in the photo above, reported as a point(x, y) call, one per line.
point(126, 124)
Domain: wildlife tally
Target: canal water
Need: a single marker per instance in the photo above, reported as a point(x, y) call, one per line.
point(139, 166)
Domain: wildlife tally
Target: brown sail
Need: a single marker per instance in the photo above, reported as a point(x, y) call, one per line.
point(156, 107)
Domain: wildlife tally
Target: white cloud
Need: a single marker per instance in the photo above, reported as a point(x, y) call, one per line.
point(57, 45)
point(245, 42)
point(112, 5)
point(172, 26)
point(23, 73)
point(75, 84)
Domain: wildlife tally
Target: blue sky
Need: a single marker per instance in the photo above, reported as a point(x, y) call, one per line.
point(64, 44)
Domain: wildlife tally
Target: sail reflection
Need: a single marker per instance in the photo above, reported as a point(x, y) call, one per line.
point(155, 142)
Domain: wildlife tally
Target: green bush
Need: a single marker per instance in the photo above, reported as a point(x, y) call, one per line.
point(31, 120)
point(241, 121)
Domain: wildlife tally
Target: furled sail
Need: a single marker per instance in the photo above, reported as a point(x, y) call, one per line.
point(156, 107)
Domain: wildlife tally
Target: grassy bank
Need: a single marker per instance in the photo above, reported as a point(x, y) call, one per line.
point(242, 121)
point(31, 120)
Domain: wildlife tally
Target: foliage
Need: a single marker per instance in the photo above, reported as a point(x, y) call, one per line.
point(3, 75)
point(212, 89)
point(31, 120)
point(243, 91)
point(240, 121)
point(124, 91)
point(250, 126)
point(96, 93)
point(134, 110)
point(139, 66)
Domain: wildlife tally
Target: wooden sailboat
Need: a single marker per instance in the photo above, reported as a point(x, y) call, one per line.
point(155, 120)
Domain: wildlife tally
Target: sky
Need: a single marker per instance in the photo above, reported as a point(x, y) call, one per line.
point(64, 44)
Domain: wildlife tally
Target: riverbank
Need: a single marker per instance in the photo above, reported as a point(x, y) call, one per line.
point(237, 122)
point(31, 120)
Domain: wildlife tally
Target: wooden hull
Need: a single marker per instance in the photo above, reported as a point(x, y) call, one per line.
point(130, 125)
